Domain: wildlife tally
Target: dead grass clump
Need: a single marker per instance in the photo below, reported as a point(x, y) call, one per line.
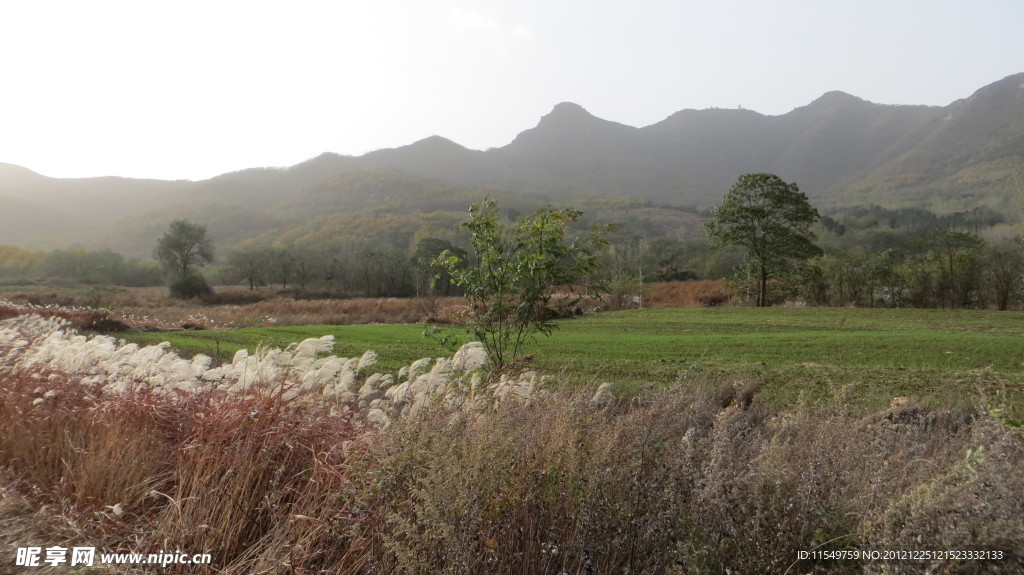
point(153, 309)
point(87, 450)
point(286, 311)
point(697, 293)
point(213, 473)
point(248, 471)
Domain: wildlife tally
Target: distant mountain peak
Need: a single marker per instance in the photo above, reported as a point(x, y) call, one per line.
point(569, 108)
point(436, 141)
point(837, 97)
point(568, 125)
point(566, 113)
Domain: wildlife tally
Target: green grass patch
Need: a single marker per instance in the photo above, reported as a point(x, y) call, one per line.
point(939, 356)
point(396, 345)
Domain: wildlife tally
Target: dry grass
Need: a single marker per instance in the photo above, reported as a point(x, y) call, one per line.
point(698, 293)
point(151, 308)
point(674, 483)
point(280, 310)
point(671, 481)
point(144, 472)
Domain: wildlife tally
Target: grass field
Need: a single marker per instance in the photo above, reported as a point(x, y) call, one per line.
point(942, 357)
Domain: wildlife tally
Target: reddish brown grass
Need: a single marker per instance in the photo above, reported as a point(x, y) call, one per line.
point(698, 293)
point(151, 308)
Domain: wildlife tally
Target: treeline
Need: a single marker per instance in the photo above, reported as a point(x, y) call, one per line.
point(914, 258)
point(75, 267)
point(368, 270)
point(874, 256)
point(943, 269)
point(912, 220)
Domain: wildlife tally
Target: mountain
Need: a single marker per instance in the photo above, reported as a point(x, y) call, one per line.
point(841, 150)
point(972, 149)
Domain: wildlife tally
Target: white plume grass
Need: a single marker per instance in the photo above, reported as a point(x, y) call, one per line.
point(301, 371)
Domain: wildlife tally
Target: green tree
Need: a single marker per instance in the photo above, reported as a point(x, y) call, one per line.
point(182, 249)
point(770, 220)
point(431, 277)
point(517, 271)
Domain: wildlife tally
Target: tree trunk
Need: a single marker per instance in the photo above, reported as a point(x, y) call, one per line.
point(762, 295)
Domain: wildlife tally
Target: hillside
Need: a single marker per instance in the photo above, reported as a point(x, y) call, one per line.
point(840, 149)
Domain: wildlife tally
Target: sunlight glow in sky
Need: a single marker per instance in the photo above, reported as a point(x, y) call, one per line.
point(191, 89)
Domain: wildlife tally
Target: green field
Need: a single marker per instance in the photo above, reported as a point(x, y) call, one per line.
point(939, 356)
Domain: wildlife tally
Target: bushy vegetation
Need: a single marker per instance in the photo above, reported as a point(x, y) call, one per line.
point(190, 286)
point(521, 278)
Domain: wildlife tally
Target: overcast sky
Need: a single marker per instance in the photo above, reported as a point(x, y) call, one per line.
point(191, 89)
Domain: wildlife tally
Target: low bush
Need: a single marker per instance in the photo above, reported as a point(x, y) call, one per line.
point(190, 286)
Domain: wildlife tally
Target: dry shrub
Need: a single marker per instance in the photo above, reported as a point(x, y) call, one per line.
point(698, 293)
point(672, 482)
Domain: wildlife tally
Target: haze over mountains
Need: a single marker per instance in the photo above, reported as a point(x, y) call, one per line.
point(839, 149)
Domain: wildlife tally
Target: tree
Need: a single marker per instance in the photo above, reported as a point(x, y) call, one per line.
point(183, 248)
point(516, 273)
point(1004, 272)
point(959, 262)
point(431, 277)
point(771, 220)
point(251, 265)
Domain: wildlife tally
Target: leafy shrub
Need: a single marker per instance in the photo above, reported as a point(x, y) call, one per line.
point(191, 286)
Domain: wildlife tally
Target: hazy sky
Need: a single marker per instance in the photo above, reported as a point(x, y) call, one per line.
point(190, 89)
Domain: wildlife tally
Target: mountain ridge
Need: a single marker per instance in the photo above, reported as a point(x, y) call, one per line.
point(839, 148)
